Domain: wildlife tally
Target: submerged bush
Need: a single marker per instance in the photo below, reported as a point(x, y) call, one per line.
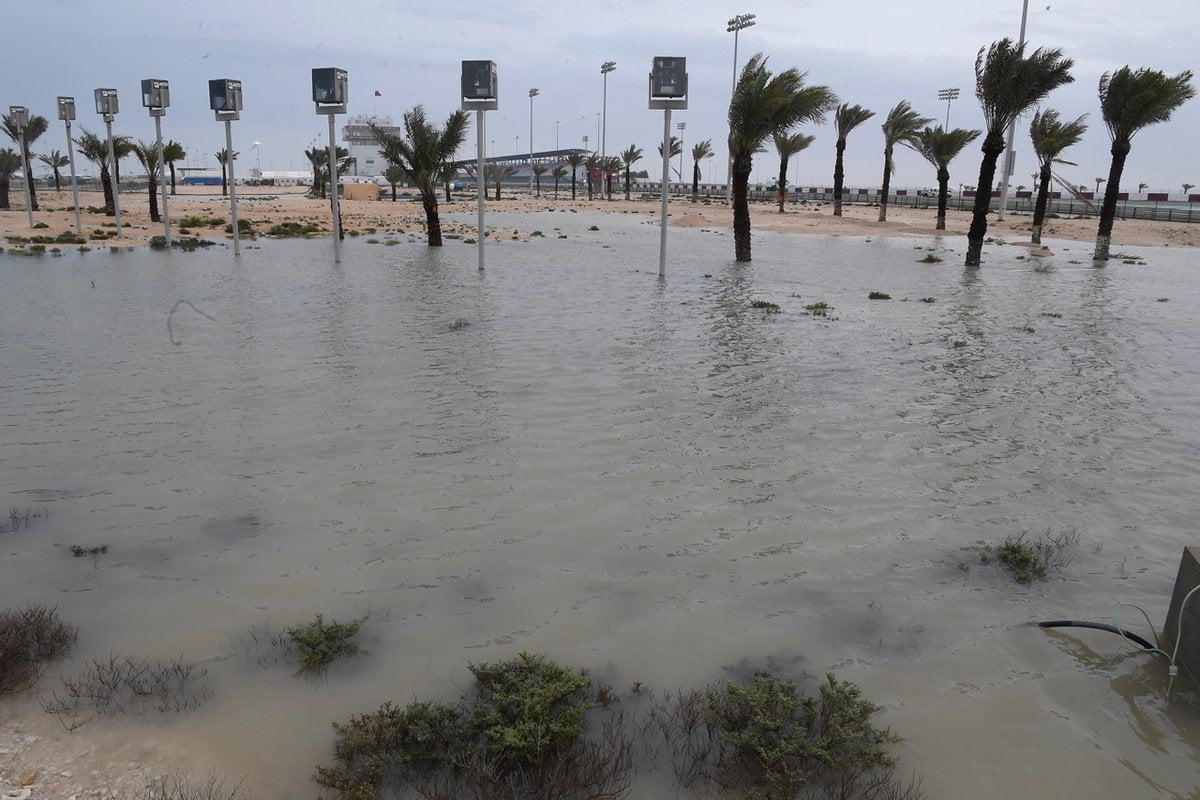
point(320, 643)
point(1029, 559)
point(300, 229)
point(30, 639)
point(129, 685)
point(765, 305)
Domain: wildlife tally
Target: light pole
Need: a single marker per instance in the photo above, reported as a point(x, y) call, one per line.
point(156, 97)
point(1009, 156)
point(605, 68)
point(668, 90)
point(480, 91)
point(331, 92)
point(947, 95)
point(738, 23)
point(66, 112)
point(107, 107)
point(532, 94)
point(19, 115)
point(225, 100)
point(555, 134)
point(679, 126)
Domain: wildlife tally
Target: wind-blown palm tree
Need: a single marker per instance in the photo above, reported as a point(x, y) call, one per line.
point(591, 164)
point(95, 149)
point(393, 175)
point(425, 153)
point(845, 119)
point(900, 127)
point(1129, 101)
point(499, 172)
point(223, 159)
point(122, 148)
point(939, 147)
point(1007, 84)
point(612, 167)
point(788, 146)
point(317, 157)
point(630, 156)
point(33, 130)
point(575, 161)
point(538, 171)
point(559, 170)
point(173, 151)
point(763, 105)
point(676, 148)
point(147, 156)
point(10, 162)
point(1187, 187)
point(55, 160)
point(1050, 136)
point(700, 151)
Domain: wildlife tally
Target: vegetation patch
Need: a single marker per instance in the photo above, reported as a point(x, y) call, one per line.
point(301, 230)
point(129, 685)
point(41, 225)
point(928, 299)
point(30, 639)
point(818, 309)
point(879, 296)
point(69, 237)
point(19, 518)
point(765, 305)
point(929, 258)
point(79, 551)
point(185, 787)
point(594, 228)
point(320, 643)
point(1032, 558)
point(244, 226)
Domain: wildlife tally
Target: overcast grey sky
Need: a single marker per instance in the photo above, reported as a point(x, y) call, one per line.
point(870, 52)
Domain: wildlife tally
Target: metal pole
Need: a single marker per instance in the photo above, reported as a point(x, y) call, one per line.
point(232, 184)
point(666, 165)
point(116, 181)
point(729, 168)
point(74, 182)
point(1012, 126)
point(162, 181)
point(532, 92)
point(479, 187)
point(26, 175)
point(604, 118)
point(333, 189)
point(947, 128)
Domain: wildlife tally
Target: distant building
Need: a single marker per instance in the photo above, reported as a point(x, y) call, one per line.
point(363, 146)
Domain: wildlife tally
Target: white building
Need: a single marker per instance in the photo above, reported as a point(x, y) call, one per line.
point(363, 146)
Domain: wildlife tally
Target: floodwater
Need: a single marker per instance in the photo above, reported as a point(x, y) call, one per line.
point(650, 479)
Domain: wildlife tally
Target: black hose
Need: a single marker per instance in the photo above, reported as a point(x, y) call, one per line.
point(1100, 626)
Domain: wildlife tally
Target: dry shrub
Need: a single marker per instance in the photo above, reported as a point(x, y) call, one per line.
point(31, 638)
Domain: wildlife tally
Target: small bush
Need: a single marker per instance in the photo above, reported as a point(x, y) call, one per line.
point(19, 518)
point(185, 787)
point(765, 305)
point(30, 639)
point(129, 685)
point(190, 243)
point(1028, 559)
point(594, 228)
point(879, 296)
point(41, 225)
point(818, 309)
point(319, 643)
point(70, 237)
point(293, 229)
point(928, 299)
point(929, 259)
point(244, 226)
point(79, 551)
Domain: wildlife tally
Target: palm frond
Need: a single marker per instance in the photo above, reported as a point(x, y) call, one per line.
point(1134, 99)
point(1008, 83)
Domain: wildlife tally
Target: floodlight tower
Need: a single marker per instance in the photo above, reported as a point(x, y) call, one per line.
point(605, 68)
point(66, 112)
point(330, 93)
point(156, 97)
point(481, 92)
point(108, 107)
point(947, 95)
point(225, 100)
point(668, 90)
point(532, 94)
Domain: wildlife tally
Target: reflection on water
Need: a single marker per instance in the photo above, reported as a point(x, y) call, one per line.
point(564, 454)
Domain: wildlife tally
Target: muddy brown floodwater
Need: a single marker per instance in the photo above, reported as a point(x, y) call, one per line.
point(652, 480)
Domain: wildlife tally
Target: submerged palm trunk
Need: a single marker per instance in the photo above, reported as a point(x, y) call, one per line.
point(432, 223)
point(627, 182)
point(993, 146)
point(153, 191)
point(741, 208)
point(171, 167)
point(107, 185)
point(887, 183)
point(839, 175)
point(1108, 212)
point(783, 162)
point(695, 180)
point(1039, 208)
point(943, 177)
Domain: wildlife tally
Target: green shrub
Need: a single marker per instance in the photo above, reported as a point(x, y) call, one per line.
point(244, 226)
point(765, 305)
point(1028, 559)
point(879, 296)
point(320, 643)
point(818, 309)
point(69, 237)
point(293, 229)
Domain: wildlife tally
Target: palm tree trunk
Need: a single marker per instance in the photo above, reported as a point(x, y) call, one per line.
point(537, 181)
point(555, 187)
point(57, 181)
point(781, 189)
point(432, 223)
point(393, 192)
point(741, 208)
point(572, 183)
point(943, 176)
point(497, 187)
point(4, 202)
point(225, 183)
point(589, 182)
point(153, 191)
point(839, 175)
point(887, 184)
point(695, 180)
point(993, 146)
point(171, 167)
point(449, 199)
point(1108, 211)
point(1039, 207)
point(106, 184)
point(33, 203)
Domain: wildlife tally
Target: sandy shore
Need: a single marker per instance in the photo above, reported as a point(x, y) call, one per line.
point(265, 207)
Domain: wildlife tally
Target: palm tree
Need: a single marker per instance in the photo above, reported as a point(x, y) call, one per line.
point(538, 171)
point(559, 170)
point(393, 175)
point(33, 130)
point(763, 105)
point(1129, 101)
point(222, 159)
point(1051, 136)
point(173, 151)
point(10, 162)
point(1187, 187)
point(147, 156)
point(591, 164)
point(95, 149)
point(845, 119)
point(1097, 189)
point(630, 156)
point(788, 146)
point(901, 126)
point(939, 147)
point(425, 153)
point(122, 148)
point(676, 149)
point(1007, 84)
point(317, 157)
point(55, 161)
point(575, 160)
point(611, 166)
point(700, 151)
point(1142, 187)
